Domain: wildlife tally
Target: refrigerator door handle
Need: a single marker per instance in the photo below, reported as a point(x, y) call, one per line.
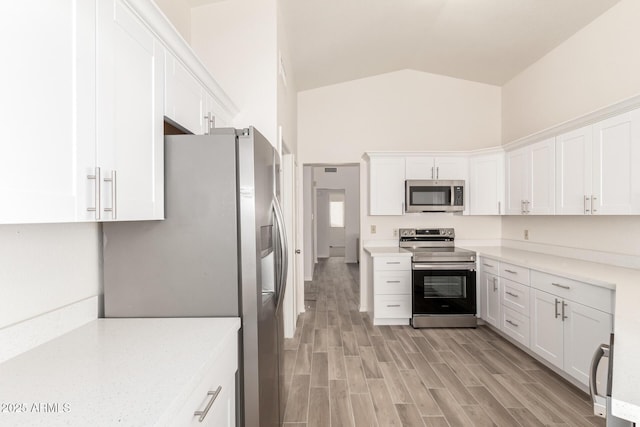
point(284, 253)
point(599, 402)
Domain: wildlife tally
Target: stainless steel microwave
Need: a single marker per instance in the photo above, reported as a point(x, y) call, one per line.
point(433, 195)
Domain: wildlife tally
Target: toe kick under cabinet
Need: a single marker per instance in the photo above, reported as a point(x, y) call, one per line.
point(560, 320)
point(392, 290)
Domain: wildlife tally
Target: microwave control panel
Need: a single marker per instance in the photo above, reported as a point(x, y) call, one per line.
point(458, 195)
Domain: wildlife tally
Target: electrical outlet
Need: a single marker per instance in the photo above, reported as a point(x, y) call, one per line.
point(526, 234)
point(395, 232)
point(373, 229)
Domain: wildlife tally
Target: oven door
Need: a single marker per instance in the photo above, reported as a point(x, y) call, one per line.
point(443, 289)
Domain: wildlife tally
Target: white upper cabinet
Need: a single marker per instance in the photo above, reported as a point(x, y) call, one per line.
point(596, 173)
point(386, 185)
point(47, 107)
point(616, 156)
point(486, 184)
point(430, 167)
point(573, 172)
point(130, 94)
point(530, 174)
point(184, 101)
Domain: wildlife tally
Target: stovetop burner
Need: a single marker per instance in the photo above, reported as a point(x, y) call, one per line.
point(433, 245)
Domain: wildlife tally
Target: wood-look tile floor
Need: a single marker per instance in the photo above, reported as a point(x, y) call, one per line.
point(342, 371)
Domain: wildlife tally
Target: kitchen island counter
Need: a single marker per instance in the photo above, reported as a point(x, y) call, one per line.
point(113, 372)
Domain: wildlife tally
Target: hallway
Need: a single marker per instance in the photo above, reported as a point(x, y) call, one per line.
point(341, 371)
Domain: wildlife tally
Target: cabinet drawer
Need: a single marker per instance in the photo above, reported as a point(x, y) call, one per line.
point(392, 263)
point(392, 306)
point(392, 282)
point(489, 265)
point(515, 296)
point(219, 373)
point(515, 273)
point(583, 293)
point(515, 325)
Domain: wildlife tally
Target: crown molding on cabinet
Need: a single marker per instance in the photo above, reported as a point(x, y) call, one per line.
point(167, 33)
point(462, 153)
point(595, 116)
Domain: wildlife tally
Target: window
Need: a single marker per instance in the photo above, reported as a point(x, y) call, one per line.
point(336, 210)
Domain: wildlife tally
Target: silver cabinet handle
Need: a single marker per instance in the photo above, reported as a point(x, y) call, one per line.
point(511, 323)
point(210, 123)
point(512, 294)
point(561, 286)
point(114, 196)
point(593, 203)
point(96, 190)
point(499, 208)
point(438, 172)
point(586, 204)
point(495, 287)
point(433, 176)
point(527, 203)
point(488, 265)
point(511, 271)
point(393, 281)
point(393, 262)
point(214, 396)
point(556, 308)
point(564, 304)
point(522, 207)
point(393, 305)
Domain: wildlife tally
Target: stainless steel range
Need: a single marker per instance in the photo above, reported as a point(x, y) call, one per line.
point(443, 279)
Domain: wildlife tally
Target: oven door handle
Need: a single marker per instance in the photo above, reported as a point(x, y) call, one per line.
point(444, 266)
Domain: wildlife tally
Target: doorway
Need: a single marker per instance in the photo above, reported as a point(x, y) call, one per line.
point(331, 214)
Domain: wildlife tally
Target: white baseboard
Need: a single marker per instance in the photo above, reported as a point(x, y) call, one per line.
point(619, 260)
point(25, 335)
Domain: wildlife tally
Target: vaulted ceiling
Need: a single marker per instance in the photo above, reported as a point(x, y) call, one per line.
point(488, 41)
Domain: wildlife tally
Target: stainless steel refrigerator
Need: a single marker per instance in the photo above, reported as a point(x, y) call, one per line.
point(221, 251)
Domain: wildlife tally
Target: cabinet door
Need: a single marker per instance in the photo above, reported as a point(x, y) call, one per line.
point(386, 186)
point(546, 327)
point(517, 171)
point(585, 328)
point(184, 97)
point(48, 110)
point(541, 178)
point(573, 172)
point(130, 85)
point(452, 168)
point(420, 167)
point(486, 185)
point(616, 153)
point(491, 298)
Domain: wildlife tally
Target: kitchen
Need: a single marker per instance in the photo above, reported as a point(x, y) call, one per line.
point(466, 116)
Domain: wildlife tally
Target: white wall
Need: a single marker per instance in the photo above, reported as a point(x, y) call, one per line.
point(287, 92)
point(179, 13)
point(346, 178)
point(237, 42)
point(596, 67)
point(46, 266)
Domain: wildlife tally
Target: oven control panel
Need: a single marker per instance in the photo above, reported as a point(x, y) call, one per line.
point(431, 232)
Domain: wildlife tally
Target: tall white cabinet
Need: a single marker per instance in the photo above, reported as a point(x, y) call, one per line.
point(130, 108)
point(531, 179)
point(48, 108)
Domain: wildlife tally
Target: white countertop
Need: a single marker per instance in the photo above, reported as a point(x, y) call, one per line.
point(626, 282)
point(375, 251)
point(110, 372)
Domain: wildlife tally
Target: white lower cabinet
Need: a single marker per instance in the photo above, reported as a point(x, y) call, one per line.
point(565, 331)
point(212, 401)
point(391, 290)
point(490, 298)
point(560, 320)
